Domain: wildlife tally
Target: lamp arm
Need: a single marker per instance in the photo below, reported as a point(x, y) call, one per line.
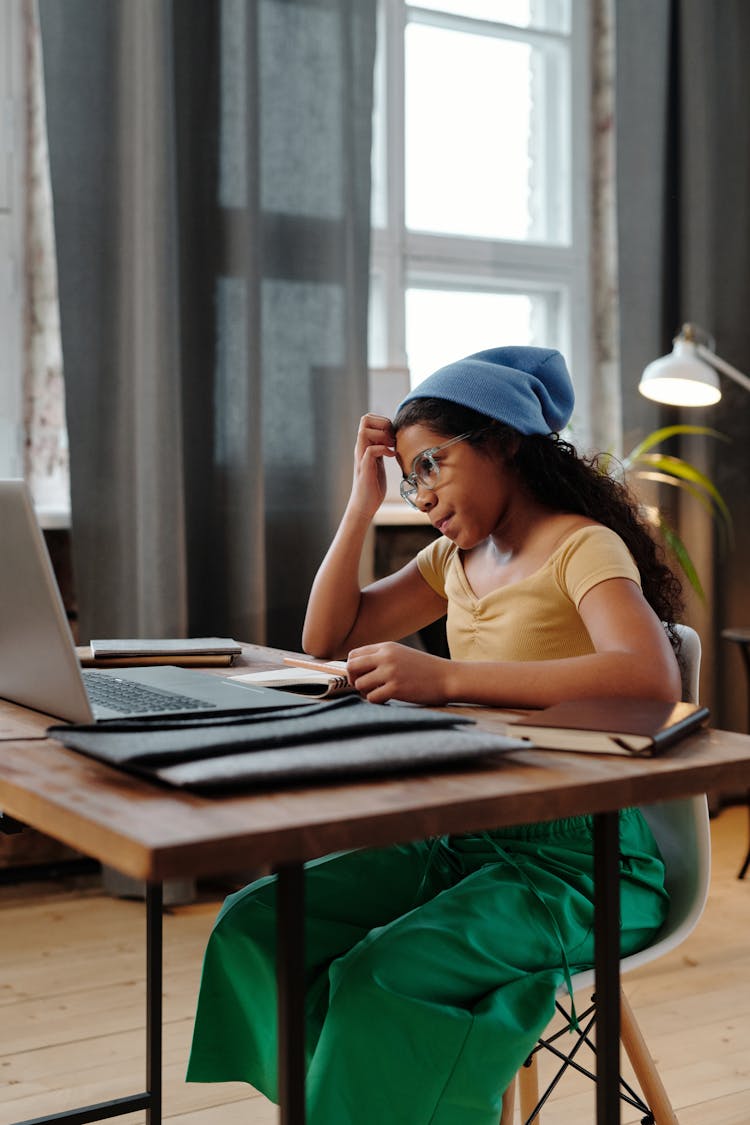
point(723, 366)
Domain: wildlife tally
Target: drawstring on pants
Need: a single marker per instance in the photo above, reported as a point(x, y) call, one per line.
point(435, 843)
point(503, 854)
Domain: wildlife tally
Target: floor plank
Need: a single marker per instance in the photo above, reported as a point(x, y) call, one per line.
point(72, 999)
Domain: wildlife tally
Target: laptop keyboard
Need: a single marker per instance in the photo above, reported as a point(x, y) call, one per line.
point(126, 696)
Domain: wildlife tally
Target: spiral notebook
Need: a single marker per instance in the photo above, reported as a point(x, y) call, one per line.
point(314, 679)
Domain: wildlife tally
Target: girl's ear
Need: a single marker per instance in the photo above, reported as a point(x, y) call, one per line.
point(505, 441)
point(511, 448)
point(499, 442)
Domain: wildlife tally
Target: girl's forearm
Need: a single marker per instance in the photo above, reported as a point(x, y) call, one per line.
point(541, 683)
point(335, 596)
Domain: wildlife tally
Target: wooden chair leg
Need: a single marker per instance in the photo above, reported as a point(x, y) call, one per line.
point(528, 1086)
point(509, 1104)
point(644, 1066)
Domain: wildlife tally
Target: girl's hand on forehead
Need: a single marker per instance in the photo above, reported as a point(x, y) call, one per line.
point(375, 440)
point(375, 429)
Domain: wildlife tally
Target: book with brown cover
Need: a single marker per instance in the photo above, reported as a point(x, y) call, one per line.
point(617, 725)
point(163, 647)
point(181, 652)
point(176, 660)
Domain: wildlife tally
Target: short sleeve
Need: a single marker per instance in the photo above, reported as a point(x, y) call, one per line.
point(433, 562)
point(593, 555)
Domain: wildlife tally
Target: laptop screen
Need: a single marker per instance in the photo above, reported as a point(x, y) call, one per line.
point(38, 662)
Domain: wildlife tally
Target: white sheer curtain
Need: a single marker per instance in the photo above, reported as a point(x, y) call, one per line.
point(606, 396)
point(46, 438)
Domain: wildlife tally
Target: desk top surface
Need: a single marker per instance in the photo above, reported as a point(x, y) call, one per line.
point(148, 831)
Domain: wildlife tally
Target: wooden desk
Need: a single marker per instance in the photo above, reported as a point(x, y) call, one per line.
point(154, 834)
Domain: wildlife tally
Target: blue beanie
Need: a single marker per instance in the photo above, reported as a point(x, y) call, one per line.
point(527, 388)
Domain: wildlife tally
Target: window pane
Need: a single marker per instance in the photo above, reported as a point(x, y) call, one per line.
point(549, 15)
point(444, 325)
point(485, 121)
point(377, 328)
point(378, 163)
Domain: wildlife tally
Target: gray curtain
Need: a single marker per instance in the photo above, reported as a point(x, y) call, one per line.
point(210, 168)
point(683, 161)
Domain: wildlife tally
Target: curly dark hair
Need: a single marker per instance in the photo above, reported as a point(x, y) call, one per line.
point(560, 478)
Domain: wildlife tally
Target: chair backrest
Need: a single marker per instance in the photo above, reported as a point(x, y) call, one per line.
point(681, 829)
point(690, 662)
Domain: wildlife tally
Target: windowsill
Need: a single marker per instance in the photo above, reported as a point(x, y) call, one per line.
point(392, 513)
point(52, 518)
point(395, 513)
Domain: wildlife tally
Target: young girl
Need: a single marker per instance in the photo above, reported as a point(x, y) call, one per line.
point(432, 966)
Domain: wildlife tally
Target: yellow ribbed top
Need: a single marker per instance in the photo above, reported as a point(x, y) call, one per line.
point(537, 617)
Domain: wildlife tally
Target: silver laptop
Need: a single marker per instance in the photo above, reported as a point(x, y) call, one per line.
point(39, 667)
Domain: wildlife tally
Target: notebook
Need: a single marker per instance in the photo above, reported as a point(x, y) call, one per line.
point(317, 679)
point(626, 726)
point(39, 667)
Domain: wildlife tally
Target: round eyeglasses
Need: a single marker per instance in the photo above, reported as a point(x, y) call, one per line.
point(425, 469)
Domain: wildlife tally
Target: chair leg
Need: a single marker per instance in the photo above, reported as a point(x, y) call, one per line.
point(528, 1086)
point(746, 864)
point(509, 1104)
point(644, 1067)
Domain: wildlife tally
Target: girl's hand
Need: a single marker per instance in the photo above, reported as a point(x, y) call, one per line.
point(394, 671)
point(375, 440)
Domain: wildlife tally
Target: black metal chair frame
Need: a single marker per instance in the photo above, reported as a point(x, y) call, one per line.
point(585, 1024)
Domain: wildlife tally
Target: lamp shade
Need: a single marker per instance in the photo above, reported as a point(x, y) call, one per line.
point(681, 378)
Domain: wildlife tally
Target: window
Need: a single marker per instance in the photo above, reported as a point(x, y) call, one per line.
point(480, 182)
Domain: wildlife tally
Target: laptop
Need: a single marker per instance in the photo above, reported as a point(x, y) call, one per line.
point(39, 667)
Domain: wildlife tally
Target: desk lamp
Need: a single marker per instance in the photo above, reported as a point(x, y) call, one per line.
point(687, 376)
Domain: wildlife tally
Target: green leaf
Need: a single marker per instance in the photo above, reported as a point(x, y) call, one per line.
point(726, 531)
point(605, 461)
point(685, 486)
point(680, 552)
point(684, 471)
point(665, 468)
point(666, 432)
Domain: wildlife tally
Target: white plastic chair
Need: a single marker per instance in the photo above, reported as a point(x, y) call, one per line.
point(681, 829)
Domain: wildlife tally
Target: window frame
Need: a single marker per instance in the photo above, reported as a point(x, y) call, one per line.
point(401, 258)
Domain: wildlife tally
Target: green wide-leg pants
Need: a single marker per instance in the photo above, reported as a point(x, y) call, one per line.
point(431, 969)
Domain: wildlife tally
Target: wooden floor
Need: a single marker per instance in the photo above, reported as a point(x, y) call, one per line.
point(72, 1006)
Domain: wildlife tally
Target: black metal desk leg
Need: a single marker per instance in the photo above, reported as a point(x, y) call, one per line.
point(607, 966)
point(154, 962)
point(290, 969)
point(151, 1099)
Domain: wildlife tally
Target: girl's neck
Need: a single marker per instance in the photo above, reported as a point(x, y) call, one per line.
point(519, 528)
